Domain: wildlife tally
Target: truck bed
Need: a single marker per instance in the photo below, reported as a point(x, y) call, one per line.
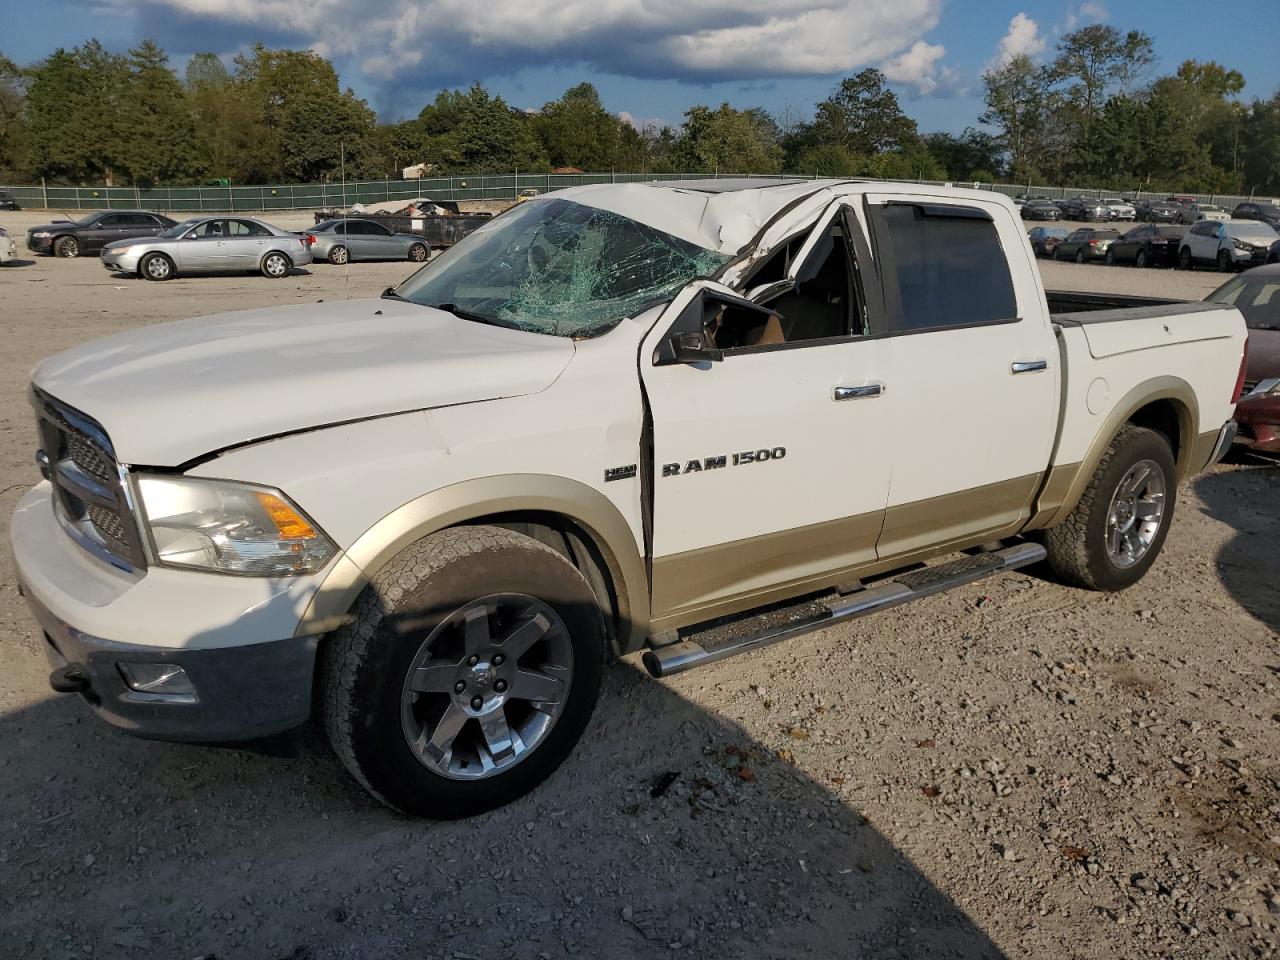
point(1071, 308)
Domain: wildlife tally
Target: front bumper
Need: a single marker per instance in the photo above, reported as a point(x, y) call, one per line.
point(120, 261)
point(234, 636)
point(39, 244)
point(1259, 420)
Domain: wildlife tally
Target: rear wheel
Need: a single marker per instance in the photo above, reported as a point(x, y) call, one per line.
point(418, 252)
point(1184, 259)
point(1225, 264)
point(339, 255)
point(156, 266)
point(276, 265)
point(67, 247)
point(1080, 257)
point(1114, 534)
point(468, 674)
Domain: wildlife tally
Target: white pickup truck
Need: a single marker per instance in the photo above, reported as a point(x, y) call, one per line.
point(615, 419)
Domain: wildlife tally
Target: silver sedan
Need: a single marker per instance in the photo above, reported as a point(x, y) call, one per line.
point(210, 245)
point(353, 238)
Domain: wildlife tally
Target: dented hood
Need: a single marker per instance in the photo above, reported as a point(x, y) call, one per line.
point(170, 393)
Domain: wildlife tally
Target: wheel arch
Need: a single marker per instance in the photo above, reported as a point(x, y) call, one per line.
point(569, 516)
point(1165, 404)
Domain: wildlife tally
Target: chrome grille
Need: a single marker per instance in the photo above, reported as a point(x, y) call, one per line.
point(88, 491)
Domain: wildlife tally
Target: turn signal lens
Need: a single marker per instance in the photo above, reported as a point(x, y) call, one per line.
point(287, 520)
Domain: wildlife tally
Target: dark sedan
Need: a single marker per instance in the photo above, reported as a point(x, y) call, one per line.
point(1044, 239)
point(1085, 244)
point(1162, 211)
point(1256, 294)
point(88, 235)
point(1086, 208)
point(7, 202)
point(1268, 213)
point(1040, 210)
point(1151, 245)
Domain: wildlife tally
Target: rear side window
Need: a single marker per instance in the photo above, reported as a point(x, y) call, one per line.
point(951, 270)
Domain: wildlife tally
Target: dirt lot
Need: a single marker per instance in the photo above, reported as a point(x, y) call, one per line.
point(1011, 770)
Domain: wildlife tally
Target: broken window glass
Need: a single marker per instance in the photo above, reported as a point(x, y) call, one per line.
point(562, 268)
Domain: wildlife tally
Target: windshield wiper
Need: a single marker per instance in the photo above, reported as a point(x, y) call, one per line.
point(474, 317)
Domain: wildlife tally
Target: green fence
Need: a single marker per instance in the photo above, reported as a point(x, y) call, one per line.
point(310, 196)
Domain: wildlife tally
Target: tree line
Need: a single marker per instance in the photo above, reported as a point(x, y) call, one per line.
point(1092, 114)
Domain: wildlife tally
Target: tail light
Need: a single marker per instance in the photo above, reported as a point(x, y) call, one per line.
point(1244, 363)
point(308, 239)
point(1093, 243)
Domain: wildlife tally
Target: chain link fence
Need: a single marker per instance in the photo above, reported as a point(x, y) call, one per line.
point(310, 196)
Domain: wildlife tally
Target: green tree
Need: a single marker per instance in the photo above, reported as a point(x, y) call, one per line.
point(472, 132)
point(227, 126)
point(1260, 147)
point(728, 141)
point(1020, 106)
point(863, 116)
point(73, 113)
point(577, 131)
point(964, 157)
point(157, 128)
point(1093, 63)
point(13, 98)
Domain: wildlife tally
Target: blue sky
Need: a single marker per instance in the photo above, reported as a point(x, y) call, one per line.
point(652, 59)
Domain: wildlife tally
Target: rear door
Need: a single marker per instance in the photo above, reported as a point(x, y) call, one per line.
point(770, 466)
point(246, 243)
point(974, 377)
point(1202, 238)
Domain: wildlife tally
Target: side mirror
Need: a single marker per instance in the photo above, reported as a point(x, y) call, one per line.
point(693, 348)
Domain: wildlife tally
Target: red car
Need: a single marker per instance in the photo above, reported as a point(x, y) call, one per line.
point(1256, 293)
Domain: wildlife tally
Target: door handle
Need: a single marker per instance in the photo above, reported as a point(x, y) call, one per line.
point(1029, 366)
point(858, 393)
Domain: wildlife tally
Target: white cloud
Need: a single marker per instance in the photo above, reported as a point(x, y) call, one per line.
point(1021, 39)
point(1091, 11)
point(920, 69)
point(642, 124)
point(457, 40)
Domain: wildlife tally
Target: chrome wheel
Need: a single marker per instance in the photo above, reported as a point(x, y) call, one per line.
point(276, 265)
point(158, 268)
point(1135, 514)
point(417, 253)
point(338, 255)
point(68, 247)
point(486, 686)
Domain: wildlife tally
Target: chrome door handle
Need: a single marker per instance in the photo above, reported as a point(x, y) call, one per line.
point(1029, 366)
point(857, 393)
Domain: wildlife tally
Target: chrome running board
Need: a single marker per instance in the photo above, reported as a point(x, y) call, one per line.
point(702, 647)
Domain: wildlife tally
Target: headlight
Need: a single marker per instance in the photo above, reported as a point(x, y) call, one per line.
point(229, 527)
point(40, 233)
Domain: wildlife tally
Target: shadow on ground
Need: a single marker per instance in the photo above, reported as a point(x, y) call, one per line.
point(1247, 500)
point(136, 848)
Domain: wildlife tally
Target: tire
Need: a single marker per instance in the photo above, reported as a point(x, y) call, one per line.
point(1110, 258)
point(1079, 552)
point(276, 266)
point(1184, 259)
point(156, 266)
point(419, 252)
point(1055, 254)
point(1225, 264)
point(426, 599)
point(339, 255)
point(1080, 257)
point(66, 247)
point(1141, 261)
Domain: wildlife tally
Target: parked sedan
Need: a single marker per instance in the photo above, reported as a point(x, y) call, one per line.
point(1085, 244)
point(345, 238)
point(8, 248)
point(1150, 245)
point(1087, 208)
point(1227, 244)
point(76, 238)
point(1040, 210)
point(1256, 294)
point(210, 245)
point(7, 202)
point(1194, 212)
point(1267, 212)
point(1044, 239)
point(1120, 208)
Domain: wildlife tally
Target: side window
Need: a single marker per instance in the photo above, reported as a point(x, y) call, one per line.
point(777, 265)
point(355, 228)
point(246, 228)
point(114, 220)
point(376, 230)
point(822, 304)
point(210, 230)
point(950, 268)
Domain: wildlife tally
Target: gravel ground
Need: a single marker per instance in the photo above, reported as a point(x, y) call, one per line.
point(1014, 769)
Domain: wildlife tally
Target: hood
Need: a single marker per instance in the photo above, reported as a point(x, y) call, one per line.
point(173, 392)
point(52, 225)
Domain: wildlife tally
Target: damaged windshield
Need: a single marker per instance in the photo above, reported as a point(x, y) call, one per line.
point(558, 267)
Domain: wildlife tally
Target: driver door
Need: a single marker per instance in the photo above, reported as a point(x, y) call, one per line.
point(770, 465)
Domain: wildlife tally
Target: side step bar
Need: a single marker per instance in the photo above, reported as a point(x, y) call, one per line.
point(689, 653)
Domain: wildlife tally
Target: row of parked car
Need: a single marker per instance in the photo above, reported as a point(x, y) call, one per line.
point(1224, 244)
point(1176, 209)
point(157, 247)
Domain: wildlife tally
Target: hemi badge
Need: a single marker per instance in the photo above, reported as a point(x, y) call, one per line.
point(620, 473)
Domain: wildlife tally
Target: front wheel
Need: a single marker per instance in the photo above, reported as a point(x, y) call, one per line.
point(1225, 263)
point(276, 265)
point(419, 252)
point(1184, 259)
point(156, 266)
point(467, 675)
point(67, 247)
point(1111, 258)
point(1114, 534)
point(1140, 261)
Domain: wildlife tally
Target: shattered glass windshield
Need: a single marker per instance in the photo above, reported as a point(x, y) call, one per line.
point(562, 268)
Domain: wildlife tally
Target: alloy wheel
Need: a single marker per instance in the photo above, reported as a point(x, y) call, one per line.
point(486, 686)
point(1135, 513)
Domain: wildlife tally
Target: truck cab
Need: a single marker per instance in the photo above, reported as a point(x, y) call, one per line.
point(618, 419)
